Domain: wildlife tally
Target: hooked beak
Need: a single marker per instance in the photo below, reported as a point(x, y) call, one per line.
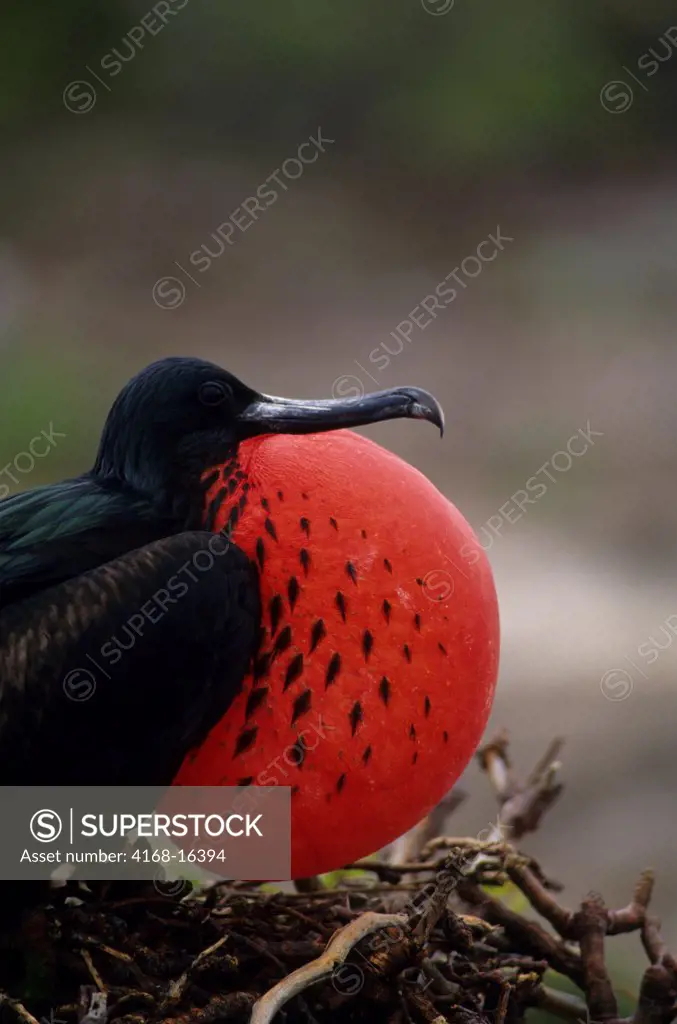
point(270, 415)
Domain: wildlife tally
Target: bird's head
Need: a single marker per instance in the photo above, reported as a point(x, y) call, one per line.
point(179, 415)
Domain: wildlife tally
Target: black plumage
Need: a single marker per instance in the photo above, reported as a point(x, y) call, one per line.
point(110, 678)
point(125, 630)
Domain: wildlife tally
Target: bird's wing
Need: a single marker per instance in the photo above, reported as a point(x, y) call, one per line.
point(55, 533)
point(113, 677)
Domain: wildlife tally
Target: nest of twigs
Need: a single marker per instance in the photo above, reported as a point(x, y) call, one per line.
point(415, 937)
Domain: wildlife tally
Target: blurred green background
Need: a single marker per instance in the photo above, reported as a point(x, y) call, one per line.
point(130, 133)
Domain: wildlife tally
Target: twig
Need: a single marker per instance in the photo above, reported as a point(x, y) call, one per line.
point(336, 952)
point(502, 1009)
point(116, 954)
point(440, 984)
point(630, 918)
point(521, 806)
point(408, 847)
point(560, 1004)
point(389, 872)
point(93, 973)
point(305, 919)
point(534, 890)
point(657, 993)
point(218, 1008)
point(590, 927)
point(447, 881)
point(495, 761)
point(18, 1008)
point(542, 767)
point(488, 846)
point(178, 987)
point(652, 940)
point(531, 937)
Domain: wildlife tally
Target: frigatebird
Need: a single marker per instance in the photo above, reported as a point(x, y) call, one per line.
point(128, 626)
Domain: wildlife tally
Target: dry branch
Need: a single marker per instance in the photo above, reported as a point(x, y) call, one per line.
point(453, 954)
point(323, 967)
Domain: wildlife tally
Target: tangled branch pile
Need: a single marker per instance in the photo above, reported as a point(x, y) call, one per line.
point(417, 937)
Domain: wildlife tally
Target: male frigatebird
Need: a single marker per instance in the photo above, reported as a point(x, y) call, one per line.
point(239, 577)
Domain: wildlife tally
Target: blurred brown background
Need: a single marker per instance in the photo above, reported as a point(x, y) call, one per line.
point(132, 133)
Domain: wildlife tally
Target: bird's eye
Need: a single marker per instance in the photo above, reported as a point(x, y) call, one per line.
point(215, 392)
